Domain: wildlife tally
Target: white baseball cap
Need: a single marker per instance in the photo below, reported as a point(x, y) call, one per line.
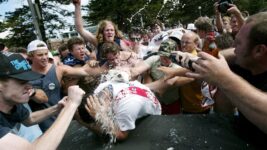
point(177, 33)
point(36, 45)
point(191, 26)
point(50, 55)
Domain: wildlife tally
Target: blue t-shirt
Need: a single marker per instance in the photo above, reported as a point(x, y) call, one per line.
point(70, 60)
point(8, 121)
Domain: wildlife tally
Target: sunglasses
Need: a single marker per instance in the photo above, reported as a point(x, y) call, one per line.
point(135, 39)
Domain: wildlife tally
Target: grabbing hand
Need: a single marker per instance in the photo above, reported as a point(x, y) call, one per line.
point(75, 94)
point(216, 4)
point(93, 63)
point(76, 2)
point(94, 104)
point(62, 103)
point(233, 10)
point(184, 59)
point(209, 68)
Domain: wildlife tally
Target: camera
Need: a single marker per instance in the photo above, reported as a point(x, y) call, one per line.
point(224, 5)
point(174, 60)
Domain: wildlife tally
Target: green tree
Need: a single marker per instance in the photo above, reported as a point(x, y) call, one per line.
point(21, 23)
point(122, 12)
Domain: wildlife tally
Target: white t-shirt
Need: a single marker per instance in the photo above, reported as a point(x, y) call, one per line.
point(128, 106)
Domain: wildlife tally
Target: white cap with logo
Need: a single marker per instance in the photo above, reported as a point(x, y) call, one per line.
point(36, 45)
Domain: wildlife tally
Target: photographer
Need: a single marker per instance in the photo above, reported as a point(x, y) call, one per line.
point(236, 21)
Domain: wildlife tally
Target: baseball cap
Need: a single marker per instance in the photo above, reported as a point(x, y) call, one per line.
point(50, 55)
point(36, 45)
point(16, 66)
point(166, 47)
point(177, 33)
point(191, 26)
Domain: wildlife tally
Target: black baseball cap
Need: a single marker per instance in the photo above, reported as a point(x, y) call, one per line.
point(15, 66)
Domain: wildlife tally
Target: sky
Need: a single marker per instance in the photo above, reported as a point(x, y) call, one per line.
point(11, 5)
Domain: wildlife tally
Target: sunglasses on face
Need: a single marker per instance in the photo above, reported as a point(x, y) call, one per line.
point(135, 39)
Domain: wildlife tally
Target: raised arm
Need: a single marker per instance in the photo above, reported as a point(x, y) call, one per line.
point(88, 36)
point(218, 15)
point(85, 70)
point(53, 136)
point(236, 12)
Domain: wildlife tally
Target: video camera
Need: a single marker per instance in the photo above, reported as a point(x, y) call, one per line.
point(224, 5)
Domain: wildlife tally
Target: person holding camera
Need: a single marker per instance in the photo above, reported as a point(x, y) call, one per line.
point(236, 21)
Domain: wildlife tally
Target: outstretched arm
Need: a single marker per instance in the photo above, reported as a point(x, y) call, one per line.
point(88, 36)
point(38, 116)
point(138, 69)
point(249, 100)
point(85, 70)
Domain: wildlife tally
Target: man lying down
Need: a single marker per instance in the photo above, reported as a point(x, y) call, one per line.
point(116, 104)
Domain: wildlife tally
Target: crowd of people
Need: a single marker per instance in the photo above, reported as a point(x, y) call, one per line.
point(208, 68)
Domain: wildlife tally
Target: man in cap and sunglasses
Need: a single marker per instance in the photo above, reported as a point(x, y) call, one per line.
point(15, 90)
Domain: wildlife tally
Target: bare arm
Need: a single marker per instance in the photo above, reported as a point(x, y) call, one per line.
point(38, 116)
point(162, 85)
point(249, 100)
point(52, 137)
point(235, 11)
point(139, 68)
point(39, 96)
point(229, 55)
point(85, 70)
point(173, 72)
point(219, 22)
point(88, 36)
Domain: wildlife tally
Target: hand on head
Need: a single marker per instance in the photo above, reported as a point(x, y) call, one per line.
point(93, 105)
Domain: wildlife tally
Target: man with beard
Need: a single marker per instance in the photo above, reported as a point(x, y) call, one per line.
point(245, 85)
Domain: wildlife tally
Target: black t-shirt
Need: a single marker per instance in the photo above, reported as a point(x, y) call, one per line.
point(8, 121)
point(244, 127)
